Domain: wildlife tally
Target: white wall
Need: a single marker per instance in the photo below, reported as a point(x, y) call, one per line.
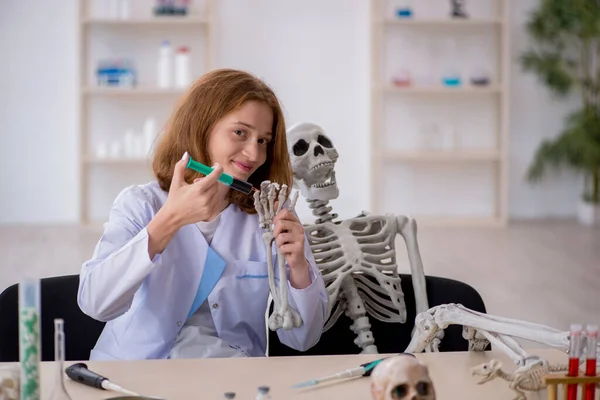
point(286, 43)
point(38, 141)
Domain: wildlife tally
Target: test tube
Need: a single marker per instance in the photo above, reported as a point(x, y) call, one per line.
point(29, 338)
point(574, 354)
point(590, 360)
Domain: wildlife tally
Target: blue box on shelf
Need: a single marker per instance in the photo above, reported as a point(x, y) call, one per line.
point(118, 72)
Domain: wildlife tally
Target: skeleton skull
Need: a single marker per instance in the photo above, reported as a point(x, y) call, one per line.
point(313, 158)
point(401, 377)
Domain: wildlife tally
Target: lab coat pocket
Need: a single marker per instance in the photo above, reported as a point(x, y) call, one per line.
point(252, 281)
point(251, 270)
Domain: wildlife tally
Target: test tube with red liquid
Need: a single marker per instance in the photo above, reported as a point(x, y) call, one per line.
point(574, 354)
point(590, 359)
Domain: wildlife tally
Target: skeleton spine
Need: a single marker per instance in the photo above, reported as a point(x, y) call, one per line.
point(321, 210)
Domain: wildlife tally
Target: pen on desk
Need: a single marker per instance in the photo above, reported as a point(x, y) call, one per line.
point(79, 372)
point(362, 370)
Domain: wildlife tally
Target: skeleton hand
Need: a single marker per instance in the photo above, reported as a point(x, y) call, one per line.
point(264, 202)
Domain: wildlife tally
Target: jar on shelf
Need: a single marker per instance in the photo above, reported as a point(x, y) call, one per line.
point(402, 78)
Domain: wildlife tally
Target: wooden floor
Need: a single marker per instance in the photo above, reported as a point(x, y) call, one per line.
point(545, 272)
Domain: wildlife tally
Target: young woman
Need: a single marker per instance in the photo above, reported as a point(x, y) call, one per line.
point(181, 268)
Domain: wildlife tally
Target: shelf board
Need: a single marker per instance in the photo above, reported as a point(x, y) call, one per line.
point(444, 21)
point(137, 91)
point(149, 21)
point(458, 221)
point(441, 155)
point(439, 89)
point(121, 161)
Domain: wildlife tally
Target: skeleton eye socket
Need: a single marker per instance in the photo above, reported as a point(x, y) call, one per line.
point(423, 388)
point(323, 141)
point(400, 391)
point(300, 147)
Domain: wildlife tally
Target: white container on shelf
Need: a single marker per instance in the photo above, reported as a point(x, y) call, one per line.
point(128, 143)
point(183, 76)
point(165, 66)
point(149, 133)
point(119, 9)
point(115, 149)
point(101, 150)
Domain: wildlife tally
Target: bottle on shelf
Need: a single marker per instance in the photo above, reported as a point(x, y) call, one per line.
point(402, 78)
point(119, 9)
point(447, 137)
point(165, 65)
point(149, 134)
point(403, 8)
point(458, 9)
point(480, 77)
point(171, 7)
point(451, 75)
point(182, 67)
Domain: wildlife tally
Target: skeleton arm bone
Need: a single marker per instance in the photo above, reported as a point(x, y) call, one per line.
point(427, 324)
point(460, 315)
point(407, 227)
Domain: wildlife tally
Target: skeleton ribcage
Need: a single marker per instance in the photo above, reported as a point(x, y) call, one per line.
point(360, 247)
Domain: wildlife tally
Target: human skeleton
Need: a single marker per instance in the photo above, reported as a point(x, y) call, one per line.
point(348, 252)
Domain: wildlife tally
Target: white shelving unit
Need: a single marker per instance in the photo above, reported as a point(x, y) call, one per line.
point(460, 184)
point(105, 112)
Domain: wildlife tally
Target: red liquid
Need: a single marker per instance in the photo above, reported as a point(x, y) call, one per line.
point(590, 370)
point(573, 371)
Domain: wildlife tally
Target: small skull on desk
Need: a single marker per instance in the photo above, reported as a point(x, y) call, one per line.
point(401, 377)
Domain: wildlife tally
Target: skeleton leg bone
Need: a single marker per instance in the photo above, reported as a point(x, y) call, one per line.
point(504, 329)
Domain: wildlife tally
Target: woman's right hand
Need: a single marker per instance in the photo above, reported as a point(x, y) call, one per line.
point(191, 203)
point(186, 204)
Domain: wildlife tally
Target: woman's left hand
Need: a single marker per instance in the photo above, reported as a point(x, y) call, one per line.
point(289, 237)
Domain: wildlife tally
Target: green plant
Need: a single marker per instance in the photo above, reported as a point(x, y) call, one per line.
point(565, 56)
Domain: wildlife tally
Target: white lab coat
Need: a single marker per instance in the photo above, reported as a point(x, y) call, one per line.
point(146, 302)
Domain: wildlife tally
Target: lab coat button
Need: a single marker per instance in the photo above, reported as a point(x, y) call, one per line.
point(179, 323)
point(216, 305)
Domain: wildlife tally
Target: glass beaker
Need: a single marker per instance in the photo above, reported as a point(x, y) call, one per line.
point(59, 392)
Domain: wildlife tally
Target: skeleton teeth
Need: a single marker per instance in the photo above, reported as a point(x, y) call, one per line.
point(323, 164)
point(324, 184)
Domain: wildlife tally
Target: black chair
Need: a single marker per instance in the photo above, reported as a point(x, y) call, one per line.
point(393, 337)
point(58, 300)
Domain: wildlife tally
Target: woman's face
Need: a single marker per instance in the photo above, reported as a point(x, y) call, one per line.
point(239, 140)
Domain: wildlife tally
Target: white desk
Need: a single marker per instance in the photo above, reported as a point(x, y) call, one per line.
point(210, 378)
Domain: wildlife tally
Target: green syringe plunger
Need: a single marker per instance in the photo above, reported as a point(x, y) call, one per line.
point(234, 183)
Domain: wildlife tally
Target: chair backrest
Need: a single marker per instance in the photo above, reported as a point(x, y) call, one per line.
point(58, 300)
point(394, 337)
